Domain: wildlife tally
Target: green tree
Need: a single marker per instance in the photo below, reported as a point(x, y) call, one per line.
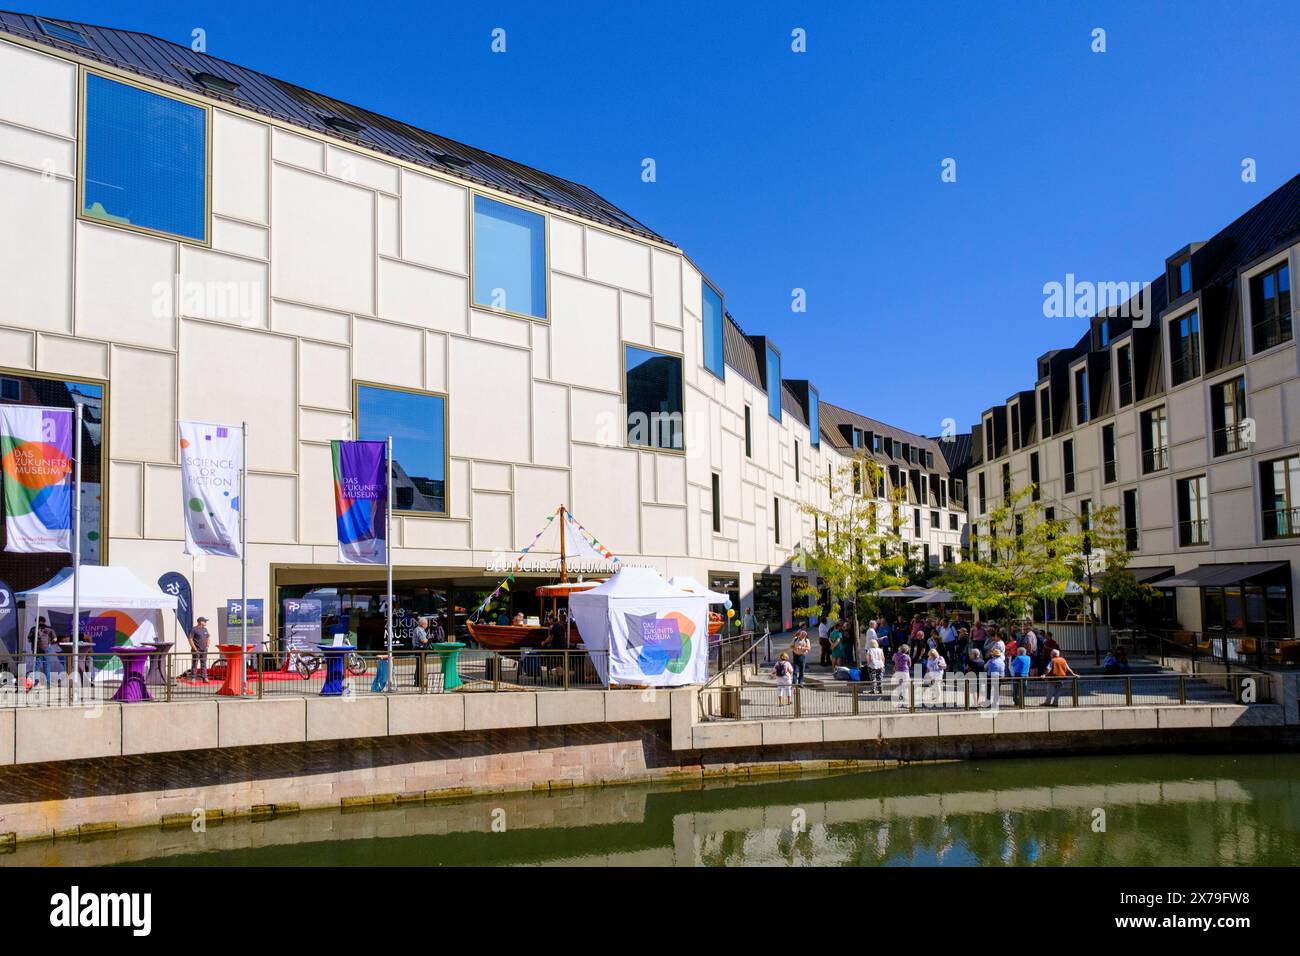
point(1016, 555)
point(857, 546)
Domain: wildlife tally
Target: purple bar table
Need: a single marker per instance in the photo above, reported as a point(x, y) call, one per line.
point(156, 677)
point(134, 661)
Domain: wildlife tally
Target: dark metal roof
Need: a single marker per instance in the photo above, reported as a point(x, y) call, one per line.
point(738, 353)
point(1148, 575)
point(176, 65)
point(1221, 575)
point(833, 416)
point(956, 451)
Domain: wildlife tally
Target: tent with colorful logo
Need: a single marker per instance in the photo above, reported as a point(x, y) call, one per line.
point(655, 634)
point(131, 609)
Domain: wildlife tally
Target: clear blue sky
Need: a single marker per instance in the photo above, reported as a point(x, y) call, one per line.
point(821, 170)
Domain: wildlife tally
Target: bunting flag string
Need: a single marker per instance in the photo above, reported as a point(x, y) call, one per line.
point(592, 539)
point(518, 565)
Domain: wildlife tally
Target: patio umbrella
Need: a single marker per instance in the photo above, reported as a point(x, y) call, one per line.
point(937, 596)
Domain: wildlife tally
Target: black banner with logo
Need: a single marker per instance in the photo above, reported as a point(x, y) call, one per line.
point(178, 586)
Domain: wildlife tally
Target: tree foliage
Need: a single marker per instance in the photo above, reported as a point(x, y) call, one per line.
point(857, 546)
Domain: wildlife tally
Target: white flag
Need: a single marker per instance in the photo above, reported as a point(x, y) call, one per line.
point(212, 457)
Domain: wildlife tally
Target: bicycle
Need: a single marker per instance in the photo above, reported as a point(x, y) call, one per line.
point(308, 663)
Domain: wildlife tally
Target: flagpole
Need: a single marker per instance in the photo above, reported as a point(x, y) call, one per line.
point(76, 560)
point(243, 555)
point(388, 557)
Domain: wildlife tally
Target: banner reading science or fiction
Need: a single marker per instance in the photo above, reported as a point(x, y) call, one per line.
point(211, 460)
point(36, 457)
point(361, 500)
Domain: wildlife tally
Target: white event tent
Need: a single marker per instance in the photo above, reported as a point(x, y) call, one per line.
point(103, 589)
point(656, 634)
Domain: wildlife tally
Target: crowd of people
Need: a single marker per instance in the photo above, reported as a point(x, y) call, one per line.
point(937, 646)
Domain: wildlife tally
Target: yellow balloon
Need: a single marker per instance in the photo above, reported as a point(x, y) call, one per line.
point(731, 612)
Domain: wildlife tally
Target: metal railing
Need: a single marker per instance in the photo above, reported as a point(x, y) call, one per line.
point(1230, 439)
point(1227, 649)
point(1194, 532)
point(1281, 523)
point(36, 680)
point(1270, 332)
point(1155, 459)
point(971, 692)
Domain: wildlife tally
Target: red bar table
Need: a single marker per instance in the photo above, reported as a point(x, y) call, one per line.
point(135, 658)
point(235, 683)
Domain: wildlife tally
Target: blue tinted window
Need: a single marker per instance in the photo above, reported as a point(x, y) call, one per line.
point(815, 418)
point(66, 34)
point(654, 398)
point(146, 159)
point(714, 357)
point(509, 258)
point(773, 383)
point(417, 423)
point(1185, 276)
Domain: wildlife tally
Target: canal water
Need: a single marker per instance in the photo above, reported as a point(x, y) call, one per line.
point(1104, 811)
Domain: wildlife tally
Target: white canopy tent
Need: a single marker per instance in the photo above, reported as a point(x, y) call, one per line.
point(102, 589)
point(655, 633)
point(692, 586)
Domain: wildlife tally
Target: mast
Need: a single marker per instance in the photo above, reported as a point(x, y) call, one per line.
point(564, 571)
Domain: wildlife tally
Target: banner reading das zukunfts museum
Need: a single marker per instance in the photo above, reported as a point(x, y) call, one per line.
point(361, 500)
point(36, 452)
point(212, 457)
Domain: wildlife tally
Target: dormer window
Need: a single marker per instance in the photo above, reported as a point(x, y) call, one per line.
point(1180, 277)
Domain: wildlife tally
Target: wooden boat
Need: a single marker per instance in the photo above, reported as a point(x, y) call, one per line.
point(511, 637)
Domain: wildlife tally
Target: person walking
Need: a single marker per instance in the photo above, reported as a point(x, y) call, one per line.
point(784, 673)
point(1057, 670)
point(199, 639)
point(875, 664)
point(902, 664)
point(935, 666)
point(799, 649)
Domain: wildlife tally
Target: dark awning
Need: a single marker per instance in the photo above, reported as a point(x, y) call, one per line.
point(1221, 575)
point(1148, 575)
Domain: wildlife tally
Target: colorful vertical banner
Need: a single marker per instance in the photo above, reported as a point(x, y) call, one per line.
point(178, 586)
point(361, 500)
point(212, 457)
point(36, 459)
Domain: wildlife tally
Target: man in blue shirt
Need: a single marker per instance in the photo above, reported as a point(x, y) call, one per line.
point(1020, 669)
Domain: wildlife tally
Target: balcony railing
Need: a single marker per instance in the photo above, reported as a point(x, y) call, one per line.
point(1108, 467)
point(1230, 439)
point(1154, 459)
point(1282, 523)
point(1193, 532)
point(1271, 332)
point(1130, 539)
point(1185, 368)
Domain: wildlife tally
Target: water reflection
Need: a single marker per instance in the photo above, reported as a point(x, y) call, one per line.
point(1124, 811)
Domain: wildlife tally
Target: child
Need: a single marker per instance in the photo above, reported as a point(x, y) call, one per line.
point(784, 672)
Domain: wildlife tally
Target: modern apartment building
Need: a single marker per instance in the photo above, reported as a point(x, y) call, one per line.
point(183, 238)
point(1187, 418)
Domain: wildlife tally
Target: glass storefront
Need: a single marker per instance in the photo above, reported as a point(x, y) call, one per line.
point(767, 602)
point(358, 611)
